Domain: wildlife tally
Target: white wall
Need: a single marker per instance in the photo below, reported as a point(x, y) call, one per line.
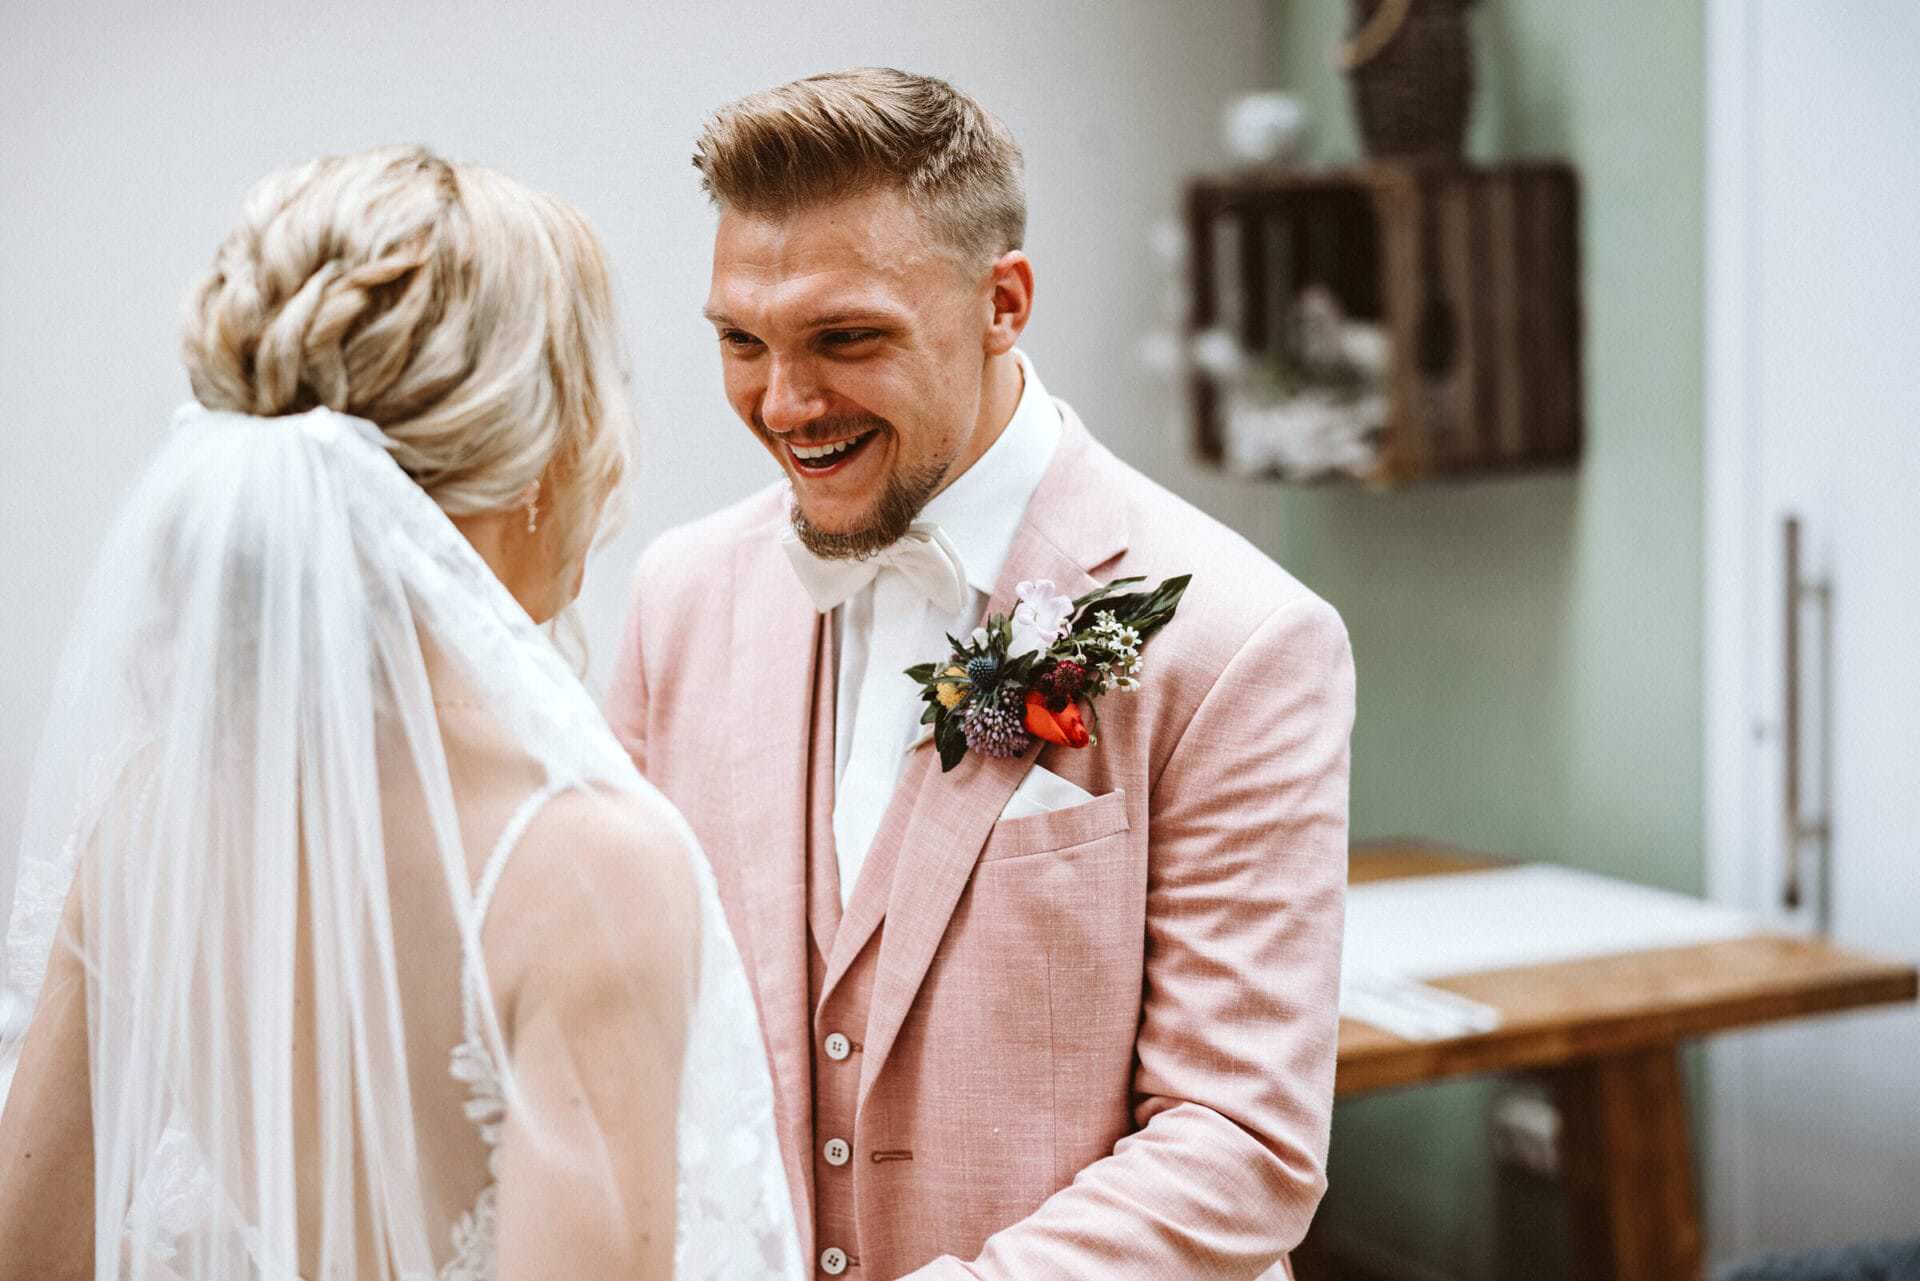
point(129, 132)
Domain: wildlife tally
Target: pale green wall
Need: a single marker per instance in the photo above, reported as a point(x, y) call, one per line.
point(1529, 650)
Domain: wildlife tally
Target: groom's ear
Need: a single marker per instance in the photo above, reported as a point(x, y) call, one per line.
point(1010, 299)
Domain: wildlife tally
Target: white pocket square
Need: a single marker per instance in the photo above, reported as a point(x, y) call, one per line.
point(1042, 791)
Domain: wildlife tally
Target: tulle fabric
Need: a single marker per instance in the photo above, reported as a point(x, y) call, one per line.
point(276, 823)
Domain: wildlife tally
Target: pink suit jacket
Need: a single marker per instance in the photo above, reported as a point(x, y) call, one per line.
point(1106, 1033)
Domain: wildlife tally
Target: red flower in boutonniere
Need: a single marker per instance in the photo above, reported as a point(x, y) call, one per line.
point(1062, 725)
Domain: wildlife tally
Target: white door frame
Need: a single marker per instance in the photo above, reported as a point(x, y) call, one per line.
point(1735, 598)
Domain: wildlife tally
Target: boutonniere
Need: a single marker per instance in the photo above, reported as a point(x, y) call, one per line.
point(1036, 673)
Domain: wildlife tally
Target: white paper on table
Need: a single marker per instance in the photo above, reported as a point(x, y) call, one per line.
point(1404, 930)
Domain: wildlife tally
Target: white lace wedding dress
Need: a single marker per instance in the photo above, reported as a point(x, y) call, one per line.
point(297, 708)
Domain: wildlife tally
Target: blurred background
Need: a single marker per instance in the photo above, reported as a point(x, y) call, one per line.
point(1565, 422)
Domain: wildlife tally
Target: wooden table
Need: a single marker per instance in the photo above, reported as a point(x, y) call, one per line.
point(1605, 1032)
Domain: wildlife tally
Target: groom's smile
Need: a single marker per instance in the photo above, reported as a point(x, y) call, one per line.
point(853, 343)
point(830, 458)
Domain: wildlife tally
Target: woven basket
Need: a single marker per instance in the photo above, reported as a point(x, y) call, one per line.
point(1410, 65)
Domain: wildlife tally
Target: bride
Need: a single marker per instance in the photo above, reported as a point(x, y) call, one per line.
point(359, 948)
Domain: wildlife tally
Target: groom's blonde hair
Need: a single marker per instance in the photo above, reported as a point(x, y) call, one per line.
point(830, 137)
point(467, 316)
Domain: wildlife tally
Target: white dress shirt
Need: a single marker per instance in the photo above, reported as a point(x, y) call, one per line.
point(888, 626)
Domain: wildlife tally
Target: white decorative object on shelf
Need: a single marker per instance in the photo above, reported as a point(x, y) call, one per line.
point(1327, 339)
point(1312, 434)
point(1218, 353)
point(1265, 128)
point(1315, 410)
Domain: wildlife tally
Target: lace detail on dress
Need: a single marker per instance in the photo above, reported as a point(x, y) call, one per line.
point(475, 1255)
point(475, 1236)
point(40, 896)
point(734, 1212)
point(175, 1198)
point(37, 902)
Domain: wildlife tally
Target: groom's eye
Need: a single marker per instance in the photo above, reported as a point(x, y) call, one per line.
point(844, 338)
point(738, 339)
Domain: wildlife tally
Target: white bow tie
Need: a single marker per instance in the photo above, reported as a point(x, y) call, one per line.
point(922, 555)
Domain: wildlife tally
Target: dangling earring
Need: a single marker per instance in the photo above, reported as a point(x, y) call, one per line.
point(533, 506)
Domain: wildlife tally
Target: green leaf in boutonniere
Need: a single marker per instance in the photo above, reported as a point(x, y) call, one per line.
point(1145, 612)
point(950, 740)
point(1103, 591)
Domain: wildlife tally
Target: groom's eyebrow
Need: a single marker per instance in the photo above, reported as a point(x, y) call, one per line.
point(831, 320)
point(837, 319)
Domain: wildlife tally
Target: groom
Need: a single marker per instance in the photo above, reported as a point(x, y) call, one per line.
point(1069, 1014)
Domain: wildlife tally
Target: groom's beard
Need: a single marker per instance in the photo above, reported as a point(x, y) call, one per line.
point(900, 502)
point(907, 491)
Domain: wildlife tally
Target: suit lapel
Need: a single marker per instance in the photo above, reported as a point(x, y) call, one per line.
point(937, 823)
point(780, 639)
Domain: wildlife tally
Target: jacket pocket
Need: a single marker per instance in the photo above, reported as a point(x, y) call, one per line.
point(1097, 819)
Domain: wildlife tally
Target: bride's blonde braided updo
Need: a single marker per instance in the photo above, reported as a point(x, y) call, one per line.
point(467, 316)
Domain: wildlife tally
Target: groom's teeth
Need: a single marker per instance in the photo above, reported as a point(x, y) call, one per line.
point(824, 451)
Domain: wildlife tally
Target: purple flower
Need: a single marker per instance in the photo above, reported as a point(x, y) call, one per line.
point(994, 728)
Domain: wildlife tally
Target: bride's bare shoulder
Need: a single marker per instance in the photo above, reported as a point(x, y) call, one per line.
point(602, 884)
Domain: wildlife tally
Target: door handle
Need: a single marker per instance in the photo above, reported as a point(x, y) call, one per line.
point(1799, 828)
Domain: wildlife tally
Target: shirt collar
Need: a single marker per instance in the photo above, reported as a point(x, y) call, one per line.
point(980, 511)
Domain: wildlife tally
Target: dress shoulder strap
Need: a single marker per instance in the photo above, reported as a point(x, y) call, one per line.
point(472, 983)
point(509, 840)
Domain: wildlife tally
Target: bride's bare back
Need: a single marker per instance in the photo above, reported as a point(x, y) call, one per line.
point(589, 947)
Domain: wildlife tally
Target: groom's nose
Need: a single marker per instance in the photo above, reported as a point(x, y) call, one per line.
point(792, 398)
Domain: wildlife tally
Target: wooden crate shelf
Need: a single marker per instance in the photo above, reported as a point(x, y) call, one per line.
point(1469, 275)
